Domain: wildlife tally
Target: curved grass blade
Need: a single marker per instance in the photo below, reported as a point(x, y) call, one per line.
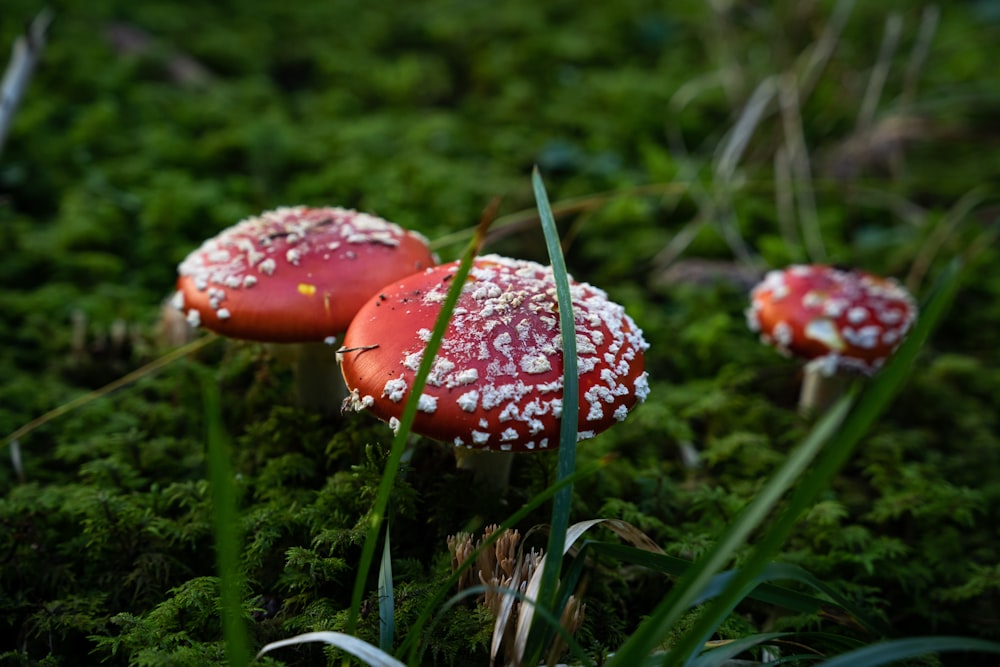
point(873, 400)
point(651, 632)
point(225, 517)
point(815, 478)
point(726, 651)
point(531, 591)
point(562, 502)
point(386, 603)
point(358, 648)
point(406, 421)
point(766, 592)
point(902, 649)
point(567, 584)
point(773, 594)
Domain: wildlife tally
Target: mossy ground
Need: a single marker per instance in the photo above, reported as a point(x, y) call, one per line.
point(149, 126)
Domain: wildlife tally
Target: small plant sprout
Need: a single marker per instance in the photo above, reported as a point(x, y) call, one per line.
point(297, 275)
point(495, 387)
point(845, 322)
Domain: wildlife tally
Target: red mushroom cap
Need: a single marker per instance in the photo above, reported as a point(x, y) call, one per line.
point(294, 274)
point(496, 383)
point(846, 318)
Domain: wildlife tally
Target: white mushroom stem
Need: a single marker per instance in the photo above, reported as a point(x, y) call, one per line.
point(488, 468)
point(319, 386)
point(822, 384)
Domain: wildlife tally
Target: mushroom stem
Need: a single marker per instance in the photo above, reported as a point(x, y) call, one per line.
point(319, 386)
point(318, 383)
point(821, 387)
point(488, 468)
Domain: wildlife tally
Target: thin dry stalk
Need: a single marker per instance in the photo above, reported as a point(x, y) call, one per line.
point(936, 240)
point(801, 170)
point(929, 20)
point(784, 197)
point(880, 71)
point(754, 111)
point(679, 243)
point(716, 205)
point(816, 59)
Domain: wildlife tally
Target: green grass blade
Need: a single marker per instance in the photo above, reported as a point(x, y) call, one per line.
point(386, 603)
point(874, 398)
point(398, 446)
point(760, 589)
point(769, 593)
point(651, 632)
point(902, 649)
point(729, 650)
point(562, 502)
point(847, 432)
point(226, 519)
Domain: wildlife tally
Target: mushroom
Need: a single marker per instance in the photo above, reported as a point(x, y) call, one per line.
point(845, 322)
point(495, 387)
point(297, 275)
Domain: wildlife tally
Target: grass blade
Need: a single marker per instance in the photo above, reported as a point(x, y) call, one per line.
point(225, 518)
point(358, 648)
point(572, 534)
point(386, 603)
point(769, 593)
point(553, 621)
point(873, 400)
point(903, 649)
point(651, 632)
point(562, 502)
point(815, 478)
point(398, 446)
point(720, 655)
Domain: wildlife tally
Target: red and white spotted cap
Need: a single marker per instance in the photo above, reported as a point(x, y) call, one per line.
point(842, 318)
point(496, 383)
point(294, 274)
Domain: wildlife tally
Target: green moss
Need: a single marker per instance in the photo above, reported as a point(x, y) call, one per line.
point(119, 162)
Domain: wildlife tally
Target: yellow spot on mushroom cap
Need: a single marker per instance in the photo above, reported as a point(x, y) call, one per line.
point(306, 289)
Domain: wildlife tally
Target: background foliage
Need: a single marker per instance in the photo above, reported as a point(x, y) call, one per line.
point(149, 126)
